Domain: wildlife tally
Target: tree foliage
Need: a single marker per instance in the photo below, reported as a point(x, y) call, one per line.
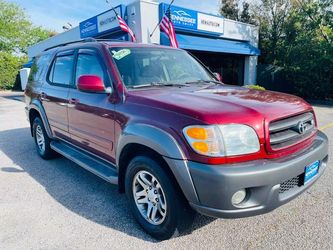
point(9, 65)
point(296, 38)
point(245, 15)
point(16, 34)
point(271, 16)
point(229, 9)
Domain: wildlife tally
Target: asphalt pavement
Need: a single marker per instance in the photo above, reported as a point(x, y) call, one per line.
point(58, 205)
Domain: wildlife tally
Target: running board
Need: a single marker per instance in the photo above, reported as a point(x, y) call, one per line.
point(93, 164)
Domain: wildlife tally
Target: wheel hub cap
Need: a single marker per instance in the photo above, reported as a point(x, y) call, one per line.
point(40, 138)
point(149, 197)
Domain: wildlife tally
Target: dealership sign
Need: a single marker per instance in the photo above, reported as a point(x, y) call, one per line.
point(97, 25)
point(194, 21)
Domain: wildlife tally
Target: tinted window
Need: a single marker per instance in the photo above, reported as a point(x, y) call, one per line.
point(61, 72)
point(39, 67)
point(149, 65)
point(88, 64)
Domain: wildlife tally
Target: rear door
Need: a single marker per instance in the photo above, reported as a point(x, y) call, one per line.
point(91, 115)
point(54, 94)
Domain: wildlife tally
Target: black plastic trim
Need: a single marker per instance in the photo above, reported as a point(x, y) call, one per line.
point(93, 164)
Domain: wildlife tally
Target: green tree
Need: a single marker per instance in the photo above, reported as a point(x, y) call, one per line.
point(271, 15)
point(245, 15)
point(16, 34)
point(296, 40)
point(306, 52)
point(229, 9)
point(9, 65)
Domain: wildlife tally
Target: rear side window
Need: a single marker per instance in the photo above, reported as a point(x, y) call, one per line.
point(88, 64)
point(39, 68)
point(61, 71)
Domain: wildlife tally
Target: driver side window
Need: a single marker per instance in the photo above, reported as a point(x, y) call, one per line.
point(88, 64)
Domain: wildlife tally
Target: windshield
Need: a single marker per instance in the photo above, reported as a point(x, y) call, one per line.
point(140, 66)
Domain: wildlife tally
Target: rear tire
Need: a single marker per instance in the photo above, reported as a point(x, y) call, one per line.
point(42, 141)
point(147, 184)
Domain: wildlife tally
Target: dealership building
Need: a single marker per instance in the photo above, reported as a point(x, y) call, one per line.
point(225, 46)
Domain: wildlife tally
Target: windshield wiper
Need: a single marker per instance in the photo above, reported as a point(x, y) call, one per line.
point(204, 81)
point(153, 84)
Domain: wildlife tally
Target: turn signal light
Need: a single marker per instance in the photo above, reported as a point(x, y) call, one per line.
point(197, 133)
point(200, 146)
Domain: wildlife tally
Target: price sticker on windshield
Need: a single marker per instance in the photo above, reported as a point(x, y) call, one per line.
point(118, 55)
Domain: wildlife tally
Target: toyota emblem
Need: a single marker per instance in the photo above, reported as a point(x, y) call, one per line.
point(302, 126)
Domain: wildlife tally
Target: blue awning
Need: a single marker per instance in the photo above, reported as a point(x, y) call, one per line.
point(212, 44)
point(28, 64)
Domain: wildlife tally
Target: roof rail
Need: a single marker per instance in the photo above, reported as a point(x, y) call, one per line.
point(86, 40)
point(109, 40)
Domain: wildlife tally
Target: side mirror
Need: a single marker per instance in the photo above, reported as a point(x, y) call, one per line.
point(218, 76)
point(90, 83)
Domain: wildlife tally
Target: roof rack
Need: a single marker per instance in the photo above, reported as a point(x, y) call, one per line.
point(86, 40)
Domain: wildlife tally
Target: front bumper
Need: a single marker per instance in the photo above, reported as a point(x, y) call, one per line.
point(215, 185)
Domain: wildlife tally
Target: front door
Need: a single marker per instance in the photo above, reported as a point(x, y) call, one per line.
point(91, 115)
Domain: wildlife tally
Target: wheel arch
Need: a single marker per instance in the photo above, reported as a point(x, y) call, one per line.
point(152, 137)
point(130, 151)
point(141, 139)
point(36, 110)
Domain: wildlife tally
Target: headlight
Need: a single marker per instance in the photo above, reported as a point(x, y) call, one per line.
point(222, 140)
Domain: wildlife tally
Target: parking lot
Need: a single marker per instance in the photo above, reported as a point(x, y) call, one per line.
point(59, 205)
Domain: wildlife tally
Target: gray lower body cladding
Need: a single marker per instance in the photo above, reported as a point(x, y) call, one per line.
point(268, 183)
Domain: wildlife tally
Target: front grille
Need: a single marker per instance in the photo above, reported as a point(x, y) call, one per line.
point(290, 184)
point(289, 131)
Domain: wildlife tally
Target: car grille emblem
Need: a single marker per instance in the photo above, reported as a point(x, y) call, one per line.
point(302, 127)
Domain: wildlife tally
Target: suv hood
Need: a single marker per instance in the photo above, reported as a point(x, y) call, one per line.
point(220, 104)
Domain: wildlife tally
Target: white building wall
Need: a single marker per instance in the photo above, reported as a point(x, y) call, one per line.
point(150, 18)
point(133, 19)
point(241, 31)
point(250, 70)
point(144, 16)
point(65, 37)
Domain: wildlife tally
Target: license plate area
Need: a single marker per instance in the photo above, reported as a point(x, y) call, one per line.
point(311, 171)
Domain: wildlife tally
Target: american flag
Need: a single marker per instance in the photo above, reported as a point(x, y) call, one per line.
point(167, 26)
point(123, 25)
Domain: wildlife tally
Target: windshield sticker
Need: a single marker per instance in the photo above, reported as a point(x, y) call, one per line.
point(118, 55)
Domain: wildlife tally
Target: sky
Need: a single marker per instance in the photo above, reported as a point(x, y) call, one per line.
point(54, 14)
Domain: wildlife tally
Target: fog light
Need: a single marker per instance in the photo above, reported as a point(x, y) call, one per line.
point(238, 197)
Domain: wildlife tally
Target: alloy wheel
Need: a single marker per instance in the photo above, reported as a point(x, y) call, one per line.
point(40, 138)
point(149, 197)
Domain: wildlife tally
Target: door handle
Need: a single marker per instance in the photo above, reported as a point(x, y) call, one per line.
point(73, 101)
point(43, 96)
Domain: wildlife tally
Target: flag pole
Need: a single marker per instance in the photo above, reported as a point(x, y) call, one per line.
point(160, 20)
point(123, 23)
point(112, 8)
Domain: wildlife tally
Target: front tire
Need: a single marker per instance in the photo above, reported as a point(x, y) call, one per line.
point(156, 201)
point(42, 141)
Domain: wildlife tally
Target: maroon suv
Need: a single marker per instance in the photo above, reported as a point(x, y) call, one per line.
point(158, 123)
